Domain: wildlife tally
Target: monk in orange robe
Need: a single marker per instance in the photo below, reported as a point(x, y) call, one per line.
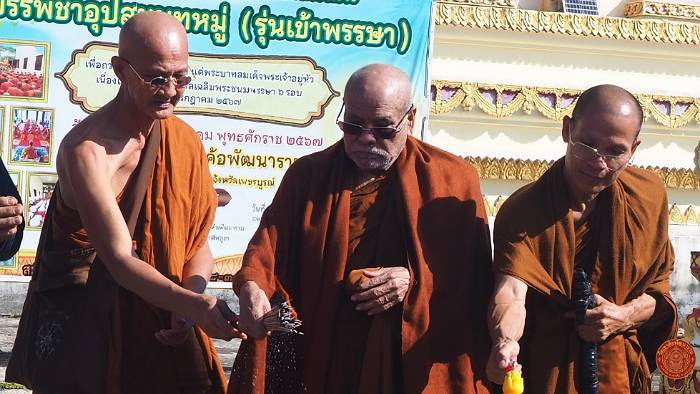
point(382, 244)
point(23, 141)
point(588, 211)
point(107, 312)
point(36, 141)
point(29, 153)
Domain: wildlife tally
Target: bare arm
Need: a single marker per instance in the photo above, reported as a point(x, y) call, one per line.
point(506, 324)
point(195, 276)
point(641, 309)
point(197, 271)
point(85, 172)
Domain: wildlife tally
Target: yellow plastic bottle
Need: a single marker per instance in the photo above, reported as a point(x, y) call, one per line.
point(514, 382)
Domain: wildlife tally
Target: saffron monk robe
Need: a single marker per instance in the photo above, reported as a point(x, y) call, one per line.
point(589, 211)
point(381, 242)
point(107, 312)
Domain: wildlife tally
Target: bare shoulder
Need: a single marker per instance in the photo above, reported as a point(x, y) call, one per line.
point(80, 149)
point(82, 139)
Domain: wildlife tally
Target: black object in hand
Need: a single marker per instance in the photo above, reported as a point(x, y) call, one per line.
point(583, 300)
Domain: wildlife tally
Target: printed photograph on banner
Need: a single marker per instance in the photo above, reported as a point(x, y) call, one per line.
point(9, 265)
point(16, 176)
point(23, 67)
point(39, 190)
point(31, 135)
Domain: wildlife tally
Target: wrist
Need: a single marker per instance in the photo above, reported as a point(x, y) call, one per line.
point(196, 284)
point(249, 287)
point(196, 306)
point(629, 311)
point(501, 341)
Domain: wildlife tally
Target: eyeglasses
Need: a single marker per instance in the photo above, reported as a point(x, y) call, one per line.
point(160, 81)
point(385, 132)
point(588, 153)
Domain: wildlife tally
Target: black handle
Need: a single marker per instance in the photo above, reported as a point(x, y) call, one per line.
point(588, 363)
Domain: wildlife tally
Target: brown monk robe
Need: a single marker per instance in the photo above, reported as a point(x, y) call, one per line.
point(369, 346)
point(434, 214)
point(624, 246)
point(175, 217)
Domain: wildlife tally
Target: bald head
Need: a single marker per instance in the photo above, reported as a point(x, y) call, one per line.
point(152, 64)
point(602, 136)
point(380, 82)
point(378, 97)
point(608, 100)
point(152, 33)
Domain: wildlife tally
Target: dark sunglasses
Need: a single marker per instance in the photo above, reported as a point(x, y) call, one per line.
point(385, 133)
point(160, 81)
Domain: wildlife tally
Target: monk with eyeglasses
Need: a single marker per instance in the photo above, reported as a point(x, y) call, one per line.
point(594, 213)
point(382, 244)
point(114, 309)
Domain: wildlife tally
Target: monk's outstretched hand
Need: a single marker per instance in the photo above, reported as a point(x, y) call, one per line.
point(219, 321)
point(254, 304)
point(10, 217)
point(385, 288)
point(180, 329)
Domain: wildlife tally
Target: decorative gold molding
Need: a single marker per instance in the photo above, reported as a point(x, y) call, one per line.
point(689, 217)
point(530, 170)
point(501, 100)
point(553, 103)
point(492, 209)
point(696, 160)
point(483, 17)
point(670, 111)
point(675, 216)
point(487, 3)
point(645, 8)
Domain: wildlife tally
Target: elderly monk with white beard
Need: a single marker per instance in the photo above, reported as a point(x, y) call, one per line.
point(382, 244)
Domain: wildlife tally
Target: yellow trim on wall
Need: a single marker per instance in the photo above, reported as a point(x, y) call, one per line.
point(663, 9)
point(513, 19)
point(554, 103)
point(688, 218)
point(530, 170)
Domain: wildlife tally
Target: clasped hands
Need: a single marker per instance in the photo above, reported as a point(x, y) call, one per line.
point(380, 289)
point(603, 321)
